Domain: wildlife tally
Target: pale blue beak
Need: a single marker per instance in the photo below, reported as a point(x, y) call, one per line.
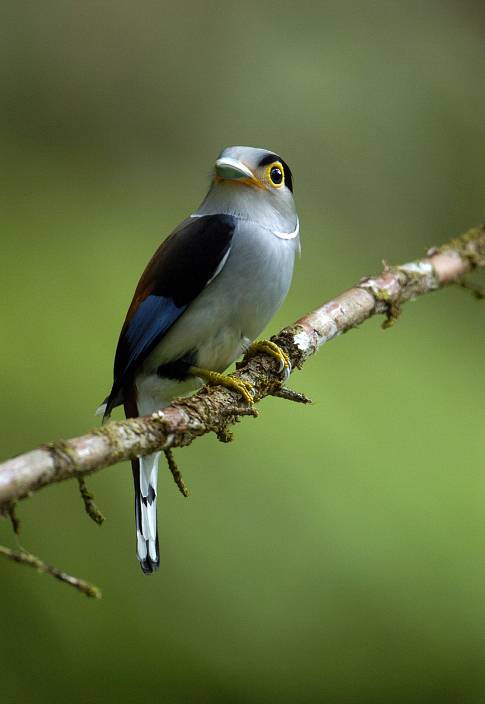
point(232, 169)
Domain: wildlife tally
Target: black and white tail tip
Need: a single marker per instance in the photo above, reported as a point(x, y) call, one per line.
point(145, 477)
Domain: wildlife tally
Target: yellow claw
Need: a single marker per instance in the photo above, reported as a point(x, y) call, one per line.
point(273, 350)
point(216, 378)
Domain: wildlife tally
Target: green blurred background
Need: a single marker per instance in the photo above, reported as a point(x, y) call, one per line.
point(334, 553)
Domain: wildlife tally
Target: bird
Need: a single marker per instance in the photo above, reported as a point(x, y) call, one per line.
point(208, 292)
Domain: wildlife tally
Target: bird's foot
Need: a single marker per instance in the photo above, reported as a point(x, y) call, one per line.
point(216, 378)
point(176, 473)
point(273, 350)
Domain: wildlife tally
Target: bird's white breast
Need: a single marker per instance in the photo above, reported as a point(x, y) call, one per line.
point(236, 305)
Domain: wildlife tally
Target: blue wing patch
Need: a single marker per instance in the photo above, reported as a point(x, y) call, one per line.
point(178, 271)
point(153, 317)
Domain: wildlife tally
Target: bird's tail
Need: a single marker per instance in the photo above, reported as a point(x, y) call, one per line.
point(145, 473)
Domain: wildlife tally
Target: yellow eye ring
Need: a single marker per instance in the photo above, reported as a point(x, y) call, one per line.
point(275, 174)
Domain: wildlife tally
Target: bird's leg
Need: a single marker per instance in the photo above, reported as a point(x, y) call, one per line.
point(215, 378)
point(273, 350)
point(176, 474)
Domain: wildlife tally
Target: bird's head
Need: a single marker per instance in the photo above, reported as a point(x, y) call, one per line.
point(253, 183)
point(255, 168)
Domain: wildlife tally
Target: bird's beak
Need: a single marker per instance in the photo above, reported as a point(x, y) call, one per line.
point(228, 169)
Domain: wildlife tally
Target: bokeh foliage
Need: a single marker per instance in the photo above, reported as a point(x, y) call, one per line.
point(334, 553)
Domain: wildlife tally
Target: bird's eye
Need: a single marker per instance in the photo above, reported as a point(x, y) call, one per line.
point(275, 174)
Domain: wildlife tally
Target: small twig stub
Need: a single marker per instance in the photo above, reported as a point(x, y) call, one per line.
point(88, 498)
point(14, 519)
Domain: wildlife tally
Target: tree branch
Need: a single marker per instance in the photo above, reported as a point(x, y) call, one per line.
point(26, 558)
point(214, 408)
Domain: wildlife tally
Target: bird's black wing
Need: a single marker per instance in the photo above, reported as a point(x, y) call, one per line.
point(178, 271)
